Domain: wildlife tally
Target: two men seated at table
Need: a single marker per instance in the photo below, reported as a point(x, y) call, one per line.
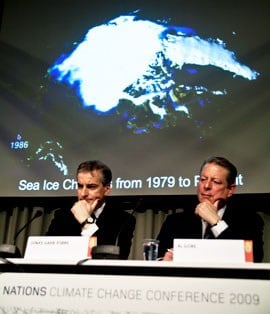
point(214, 216)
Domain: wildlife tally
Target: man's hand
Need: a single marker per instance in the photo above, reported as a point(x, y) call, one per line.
point(208, 211)
point(82, 210)
point(168, 256)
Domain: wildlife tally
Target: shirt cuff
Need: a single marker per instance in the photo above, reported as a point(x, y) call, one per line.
point(92, 228)
point(219, 228)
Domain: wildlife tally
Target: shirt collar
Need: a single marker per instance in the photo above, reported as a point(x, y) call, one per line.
point(221, 211)
point(98, 211)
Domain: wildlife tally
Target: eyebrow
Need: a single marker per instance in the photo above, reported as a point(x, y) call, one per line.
point(89, 185)
point(206, 177)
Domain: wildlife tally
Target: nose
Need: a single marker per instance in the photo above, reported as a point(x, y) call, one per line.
point(207, 185)
point(84, 191)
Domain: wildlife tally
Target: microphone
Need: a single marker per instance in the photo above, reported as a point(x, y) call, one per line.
point(112, 251)
point(11, 250)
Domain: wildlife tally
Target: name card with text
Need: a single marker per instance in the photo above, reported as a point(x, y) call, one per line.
point(214, 250)
point(72, 248)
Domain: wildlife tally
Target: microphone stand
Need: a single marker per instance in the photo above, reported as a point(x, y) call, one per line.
point(11, 250)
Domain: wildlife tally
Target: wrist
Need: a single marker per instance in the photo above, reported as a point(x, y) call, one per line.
point(88, 220)
point(216, 223)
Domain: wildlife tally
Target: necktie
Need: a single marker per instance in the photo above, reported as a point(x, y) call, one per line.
point(94, 217)
point(208, 234)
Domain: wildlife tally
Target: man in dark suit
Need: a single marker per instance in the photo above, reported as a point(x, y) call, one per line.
point(91, 215)
point(214, 217)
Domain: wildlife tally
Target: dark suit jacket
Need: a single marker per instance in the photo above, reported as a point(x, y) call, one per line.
point(116, 227)
point(242, 224)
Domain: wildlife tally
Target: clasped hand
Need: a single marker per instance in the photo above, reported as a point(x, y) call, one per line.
point(82, 210)
point(208, 211)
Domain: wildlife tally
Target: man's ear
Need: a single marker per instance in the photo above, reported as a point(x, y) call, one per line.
point(107, 189)
point(231, 188)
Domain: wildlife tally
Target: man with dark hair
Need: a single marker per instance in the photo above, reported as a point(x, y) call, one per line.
point(214, 217)
point(91, 215)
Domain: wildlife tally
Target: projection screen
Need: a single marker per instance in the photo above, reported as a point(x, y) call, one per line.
point(151, 88)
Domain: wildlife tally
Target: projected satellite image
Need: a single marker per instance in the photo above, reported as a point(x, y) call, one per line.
point(102, 70)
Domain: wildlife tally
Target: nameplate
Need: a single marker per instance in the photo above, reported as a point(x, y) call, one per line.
point(217, 251)
point(57, 248)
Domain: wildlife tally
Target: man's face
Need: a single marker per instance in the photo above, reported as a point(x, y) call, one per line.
point(90, 187)
point(213, 184)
